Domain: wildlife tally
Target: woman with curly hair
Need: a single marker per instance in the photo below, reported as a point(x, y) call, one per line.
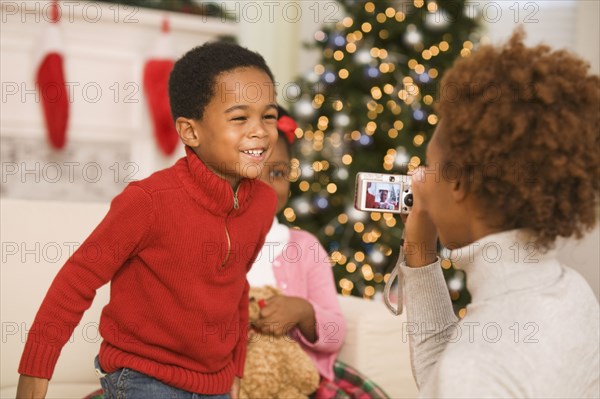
point(513, 165)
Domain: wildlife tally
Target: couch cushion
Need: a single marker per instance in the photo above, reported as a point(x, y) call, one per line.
point(375, 346)
point(37, 238)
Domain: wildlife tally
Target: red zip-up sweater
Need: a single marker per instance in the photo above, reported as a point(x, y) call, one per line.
point(176, 248)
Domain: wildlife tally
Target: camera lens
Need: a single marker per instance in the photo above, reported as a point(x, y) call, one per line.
point(408, 200)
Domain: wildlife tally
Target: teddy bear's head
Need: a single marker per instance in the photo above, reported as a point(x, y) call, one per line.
point(257, 296)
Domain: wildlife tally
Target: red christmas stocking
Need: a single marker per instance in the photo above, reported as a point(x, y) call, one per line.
point(156, 84)
point(50, 81)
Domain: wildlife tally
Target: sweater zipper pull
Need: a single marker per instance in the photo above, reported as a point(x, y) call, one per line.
point(236, 204)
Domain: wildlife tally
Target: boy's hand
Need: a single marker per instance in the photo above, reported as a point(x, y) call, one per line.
point(234, 393)
point(420, 234)
point(32, 387)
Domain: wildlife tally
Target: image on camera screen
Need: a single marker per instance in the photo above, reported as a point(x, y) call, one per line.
point(383, 196)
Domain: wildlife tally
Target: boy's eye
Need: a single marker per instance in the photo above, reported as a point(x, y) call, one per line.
point(239, 118)
point(274, 117)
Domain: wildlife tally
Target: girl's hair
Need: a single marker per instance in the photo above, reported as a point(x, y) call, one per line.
point(192, 80)
point(522, 125)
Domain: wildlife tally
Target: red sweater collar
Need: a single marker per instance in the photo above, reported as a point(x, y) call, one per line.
point(207, 188)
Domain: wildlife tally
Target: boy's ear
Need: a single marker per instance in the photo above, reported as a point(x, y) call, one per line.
point(188, 131)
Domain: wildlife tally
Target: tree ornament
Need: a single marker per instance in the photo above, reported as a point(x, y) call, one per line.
point(363, 56)
point(376, 257)
point(303, 109)
point(412, 35)
point(402, 157)
point(341, 120)
point(436, 20)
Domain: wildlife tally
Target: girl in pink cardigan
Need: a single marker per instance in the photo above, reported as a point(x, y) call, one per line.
point(295, 262)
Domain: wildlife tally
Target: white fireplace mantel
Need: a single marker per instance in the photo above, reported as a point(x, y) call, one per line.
point(105, 47)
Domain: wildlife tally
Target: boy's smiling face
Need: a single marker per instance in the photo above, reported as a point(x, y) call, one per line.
point(239, 127)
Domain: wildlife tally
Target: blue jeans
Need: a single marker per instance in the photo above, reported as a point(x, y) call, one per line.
point(126, 383)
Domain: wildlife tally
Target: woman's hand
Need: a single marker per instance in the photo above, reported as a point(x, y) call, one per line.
point(282, 313)
point(32, 387)
point(420, 234)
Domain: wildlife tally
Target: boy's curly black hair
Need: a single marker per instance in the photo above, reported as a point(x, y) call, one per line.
point(524, 125)
point(192, 80)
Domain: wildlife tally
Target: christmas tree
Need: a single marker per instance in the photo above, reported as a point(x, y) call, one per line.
point(368, 106)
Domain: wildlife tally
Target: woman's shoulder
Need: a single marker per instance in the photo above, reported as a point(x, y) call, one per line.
point(580, 293)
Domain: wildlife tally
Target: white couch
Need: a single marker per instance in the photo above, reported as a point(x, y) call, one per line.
point(37, 238)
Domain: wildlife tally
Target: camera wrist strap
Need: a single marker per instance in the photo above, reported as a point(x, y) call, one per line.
point(388, 286)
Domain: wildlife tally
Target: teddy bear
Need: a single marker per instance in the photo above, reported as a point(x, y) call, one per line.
point(276, 367)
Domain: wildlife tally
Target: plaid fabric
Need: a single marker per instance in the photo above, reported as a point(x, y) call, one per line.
point(348, 384)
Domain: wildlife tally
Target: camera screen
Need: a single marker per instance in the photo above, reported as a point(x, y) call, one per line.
point(383, 196)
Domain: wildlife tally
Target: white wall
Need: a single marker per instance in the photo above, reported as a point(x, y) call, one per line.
point(551, 22)
point(269, 27)
point(568, 24)
point(587, 32)
point(584, 256)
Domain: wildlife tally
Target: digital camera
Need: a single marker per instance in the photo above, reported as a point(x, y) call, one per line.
point(376, 192)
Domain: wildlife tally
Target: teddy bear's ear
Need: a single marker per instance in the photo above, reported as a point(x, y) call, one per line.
point(252, 292)
point(253, 311)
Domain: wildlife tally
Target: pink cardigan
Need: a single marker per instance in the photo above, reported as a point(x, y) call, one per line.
point(303, 270)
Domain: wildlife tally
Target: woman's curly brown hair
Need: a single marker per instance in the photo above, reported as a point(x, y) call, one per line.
point(523, 125)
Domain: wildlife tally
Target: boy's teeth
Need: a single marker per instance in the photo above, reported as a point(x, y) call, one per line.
point(253, 152)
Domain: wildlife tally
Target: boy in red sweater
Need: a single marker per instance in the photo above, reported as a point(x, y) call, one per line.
point(176, 246)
